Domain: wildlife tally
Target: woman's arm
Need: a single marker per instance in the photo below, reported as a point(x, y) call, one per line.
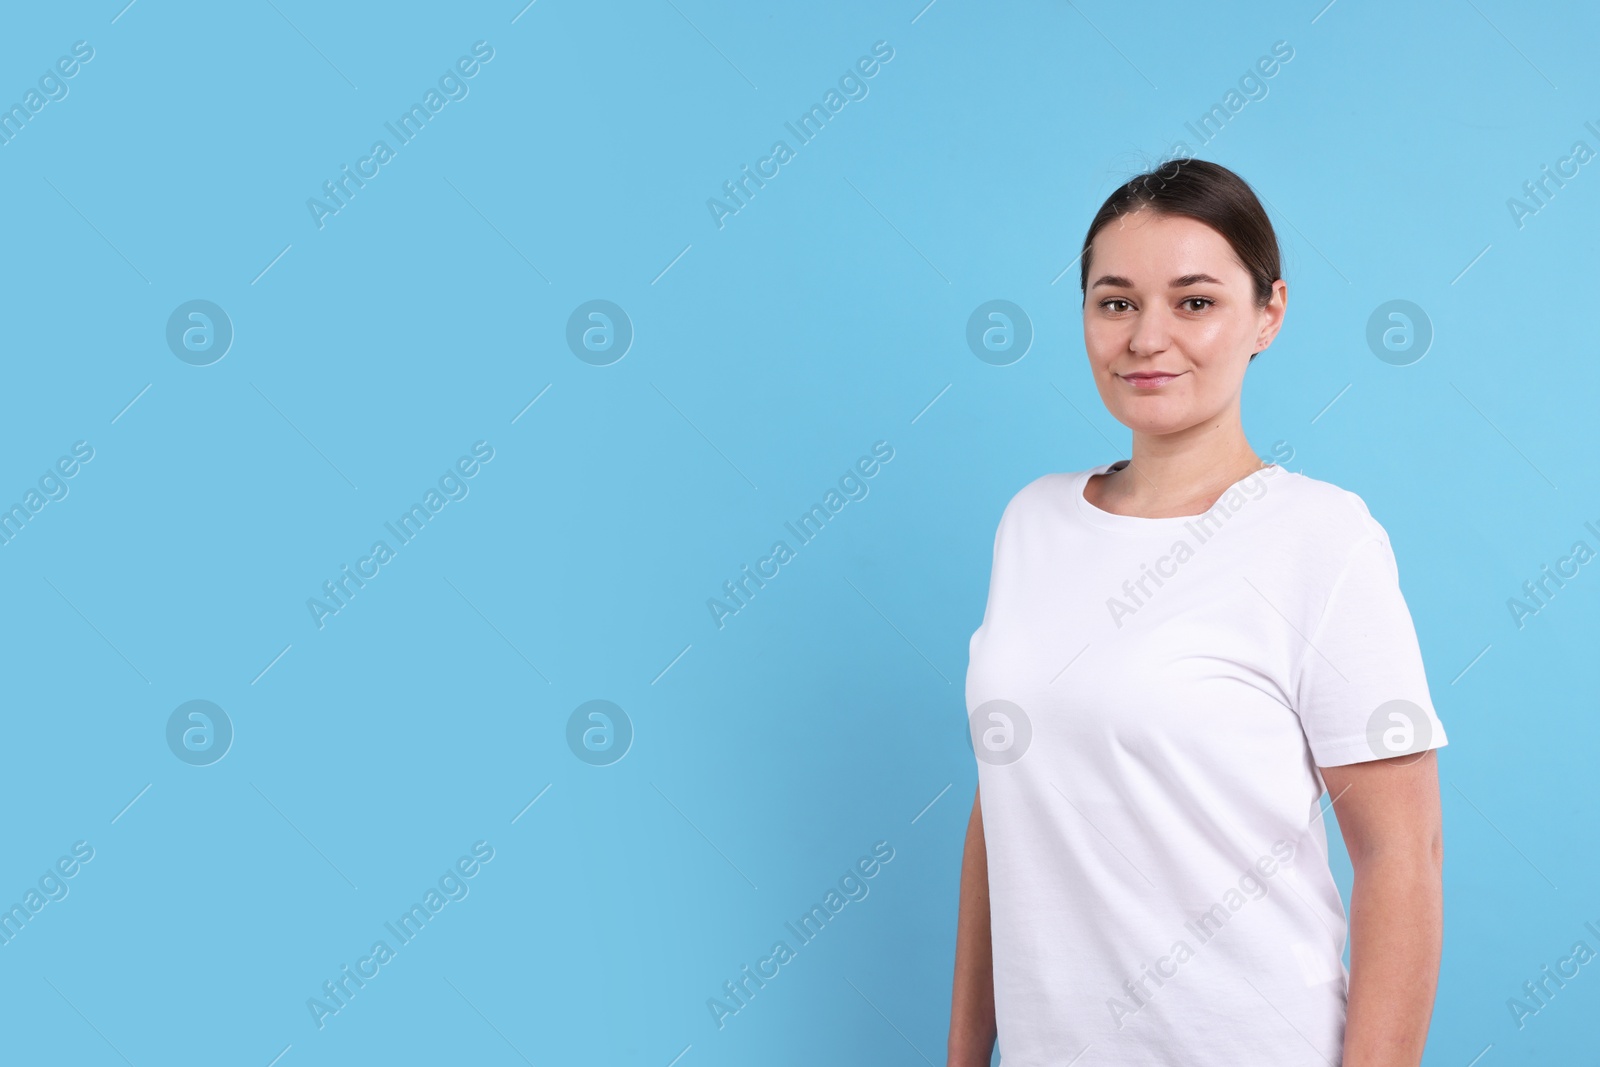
point(1388, 811)
point(972, 1026)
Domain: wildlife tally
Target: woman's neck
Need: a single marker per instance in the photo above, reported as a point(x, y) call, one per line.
point(1161, 481)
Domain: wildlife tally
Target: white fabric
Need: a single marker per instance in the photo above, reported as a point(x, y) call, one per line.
point(1172, 767)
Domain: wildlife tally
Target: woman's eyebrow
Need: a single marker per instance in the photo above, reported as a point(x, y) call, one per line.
point(1118, 281)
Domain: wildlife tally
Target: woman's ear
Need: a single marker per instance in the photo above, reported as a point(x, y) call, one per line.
point(1272, 316)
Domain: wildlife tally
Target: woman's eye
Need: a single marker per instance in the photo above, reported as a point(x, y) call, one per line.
point(1114, 300)
point(1204, 303)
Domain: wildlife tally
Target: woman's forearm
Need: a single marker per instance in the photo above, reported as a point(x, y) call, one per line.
point(972, 1024)
point(1396, 933)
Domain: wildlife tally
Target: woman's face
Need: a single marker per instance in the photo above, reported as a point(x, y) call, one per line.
point(1170, 321)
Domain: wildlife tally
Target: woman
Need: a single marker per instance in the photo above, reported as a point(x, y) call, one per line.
point(1179, 652)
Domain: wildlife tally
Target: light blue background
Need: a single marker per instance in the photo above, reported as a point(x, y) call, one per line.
point(828, 314)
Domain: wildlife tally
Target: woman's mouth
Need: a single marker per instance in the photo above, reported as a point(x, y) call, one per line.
point(1147, 379)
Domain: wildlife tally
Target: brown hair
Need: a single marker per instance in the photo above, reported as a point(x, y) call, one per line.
point(1209, 193)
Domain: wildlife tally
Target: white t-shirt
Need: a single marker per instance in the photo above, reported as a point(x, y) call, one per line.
point(1150, 699)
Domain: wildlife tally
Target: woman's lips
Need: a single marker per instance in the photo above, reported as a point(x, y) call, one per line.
point(1147, 381)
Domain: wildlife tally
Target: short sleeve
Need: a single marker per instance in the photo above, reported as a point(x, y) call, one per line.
point(1361, 691)
point(998, 557)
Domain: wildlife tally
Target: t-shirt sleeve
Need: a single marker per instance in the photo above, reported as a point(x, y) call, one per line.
point(1361, 691)
point(997, 559)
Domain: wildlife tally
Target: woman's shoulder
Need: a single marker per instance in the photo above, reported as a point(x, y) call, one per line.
point(1046, 495)
point(1048, 488)
point(1335, 514)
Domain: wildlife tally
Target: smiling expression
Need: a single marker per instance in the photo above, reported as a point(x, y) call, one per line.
point(1170, 321)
